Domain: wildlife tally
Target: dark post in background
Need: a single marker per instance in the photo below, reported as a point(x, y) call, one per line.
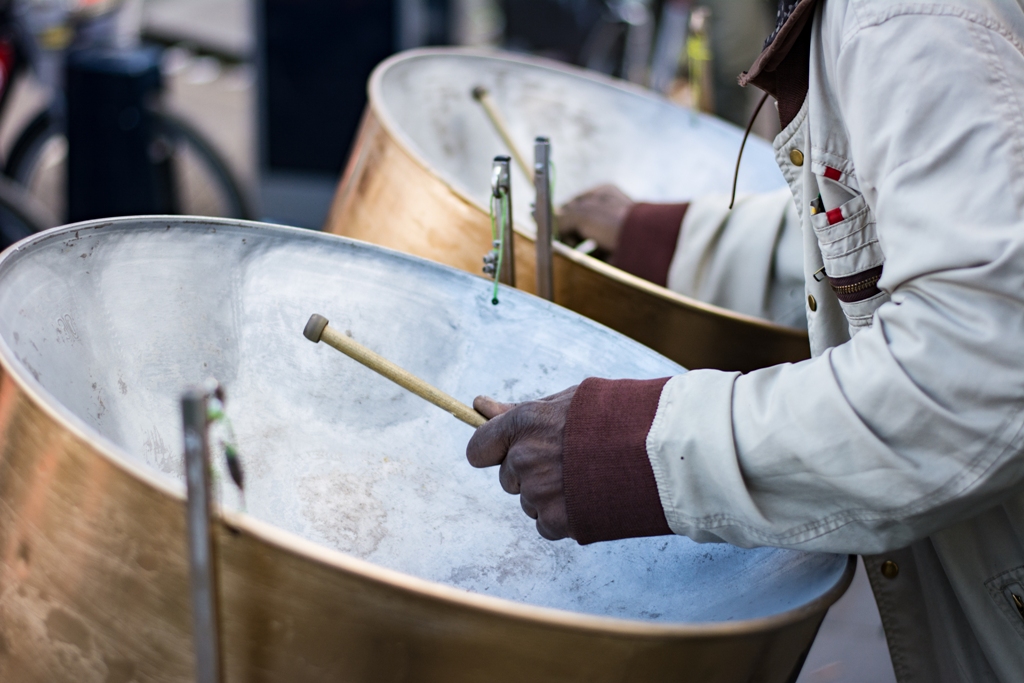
point(314, 58)
point(115, 165)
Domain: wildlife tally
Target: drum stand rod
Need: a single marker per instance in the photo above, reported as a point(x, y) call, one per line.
point(481, 95)
point(543, 215)
point(501, 188)
point(202, 549)
point(317, 330)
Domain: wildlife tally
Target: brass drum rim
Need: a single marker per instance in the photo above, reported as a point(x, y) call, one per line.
point(376, 99)
point(300, 547)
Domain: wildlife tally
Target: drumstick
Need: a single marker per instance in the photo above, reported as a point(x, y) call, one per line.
point(318, 330)
point(481, 95)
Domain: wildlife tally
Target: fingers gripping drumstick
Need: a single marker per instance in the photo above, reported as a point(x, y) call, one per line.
point(481, 95)
point(318, 330)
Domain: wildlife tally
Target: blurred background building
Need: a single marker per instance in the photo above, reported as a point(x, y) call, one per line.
point(275, 88)
point(313, 59)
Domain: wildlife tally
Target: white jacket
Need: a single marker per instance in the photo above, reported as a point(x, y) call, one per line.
point(902, 439)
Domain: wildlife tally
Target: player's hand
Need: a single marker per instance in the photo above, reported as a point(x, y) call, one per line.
point(597, 214)
point(526, 440)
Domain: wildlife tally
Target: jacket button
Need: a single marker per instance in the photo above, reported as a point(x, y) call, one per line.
point(797, 157)
point(890, 569)
point(812, 303)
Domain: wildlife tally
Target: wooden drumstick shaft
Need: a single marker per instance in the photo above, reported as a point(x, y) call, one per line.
point(481, 95)
point(317, 330)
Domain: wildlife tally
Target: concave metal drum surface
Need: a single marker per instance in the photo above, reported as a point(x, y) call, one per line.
point(369, 549)
point(418, 180)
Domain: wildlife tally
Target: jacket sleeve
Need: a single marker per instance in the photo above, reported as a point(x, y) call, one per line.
point(748, 260)
point(918, 421)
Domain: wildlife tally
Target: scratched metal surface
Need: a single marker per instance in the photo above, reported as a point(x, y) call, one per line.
point(115, 320)
point(601, 131)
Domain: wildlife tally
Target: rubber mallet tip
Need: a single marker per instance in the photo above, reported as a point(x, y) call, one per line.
point(315, 328)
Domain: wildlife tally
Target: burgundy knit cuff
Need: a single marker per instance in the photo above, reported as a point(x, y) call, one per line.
point(610, 491)
point(648, 239)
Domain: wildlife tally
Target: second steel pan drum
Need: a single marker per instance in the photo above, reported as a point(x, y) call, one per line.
point(418, 180)
point(369, 550)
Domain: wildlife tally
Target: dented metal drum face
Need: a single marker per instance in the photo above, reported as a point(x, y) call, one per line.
point(600, 132)
point(104, 325)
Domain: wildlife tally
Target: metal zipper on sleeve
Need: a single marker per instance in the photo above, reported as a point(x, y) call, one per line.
point(857, 287)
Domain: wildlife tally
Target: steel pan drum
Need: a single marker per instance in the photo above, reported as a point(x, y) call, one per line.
point(369, 550)
point(418, 180)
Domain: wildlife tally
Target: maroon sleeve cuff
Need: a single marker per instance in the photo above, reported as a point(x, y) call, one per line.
point(610, 491)
point(648, 239)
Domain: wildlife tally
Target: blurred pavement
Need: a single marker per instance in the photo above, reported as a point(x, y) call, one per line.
point(217, 26)
point(850, 647)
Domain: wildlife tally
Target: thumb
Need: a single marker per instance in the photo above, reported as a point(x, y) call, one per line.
point(490, 442)
point(489, 408)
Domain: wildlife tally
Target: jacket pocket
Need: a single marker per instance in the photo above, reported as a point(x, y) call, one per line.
point(847, 238)
point(853, 259)
point(1007, 590)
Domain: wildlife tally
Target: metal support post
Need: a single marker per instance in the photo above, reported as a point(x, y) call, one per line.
point(543, 214)
point(501, 186)
point(201, 546)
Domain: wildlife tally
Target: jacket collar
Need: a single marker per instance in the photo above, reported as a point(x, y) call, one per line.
point(782, 68)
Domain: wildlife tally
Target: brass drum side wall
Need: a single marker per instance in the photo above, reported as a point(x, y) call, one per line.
point(93, 587)
point(386, 197)
point(90, 555)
